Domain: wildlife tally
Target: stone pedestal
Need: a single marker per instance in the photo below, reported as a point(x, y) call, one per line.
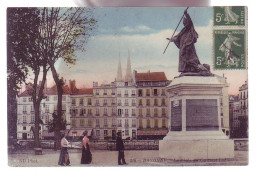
point(195, 120)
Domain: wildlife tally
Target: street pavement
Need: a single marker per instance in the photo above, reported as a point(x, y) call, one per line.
point(134, 158)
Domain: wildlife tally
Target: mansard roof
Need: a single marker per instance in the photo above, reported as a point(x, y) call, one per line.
point(150, 77)
point(48, 91)
point(82, 91)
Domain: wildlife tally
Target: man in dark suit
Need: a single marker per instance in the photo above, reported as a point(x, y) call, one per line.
point(120, 148)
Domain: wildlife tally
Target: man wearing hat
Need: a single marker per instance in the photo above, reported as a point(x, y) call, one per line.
point(120, 148)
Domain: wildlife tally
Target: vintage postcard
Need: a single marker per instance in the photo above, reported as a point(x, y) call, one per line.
point(127, 87)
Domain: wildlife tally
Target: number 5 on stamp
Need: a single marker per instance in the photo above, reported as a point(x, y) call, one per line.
point(229, 49)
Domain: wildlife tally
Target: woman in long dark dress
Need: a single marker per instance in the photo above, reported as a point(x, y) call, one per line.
point(86, 157)
point(64, 155)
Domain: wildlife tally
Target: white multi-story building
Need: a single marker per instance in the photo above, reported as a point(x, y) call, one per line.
point(26, 115)
point(126, 102)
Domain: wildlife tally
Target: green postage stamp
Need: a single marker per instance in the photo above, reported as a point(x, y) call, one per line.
point(229, 49)
point(229, 16)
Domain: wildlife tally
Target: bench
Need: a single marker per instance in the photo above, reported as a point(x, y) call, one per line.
point(38, 151)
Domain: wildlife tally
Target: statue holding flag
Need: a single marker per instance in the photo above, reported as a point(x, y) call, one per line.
point(189, 63)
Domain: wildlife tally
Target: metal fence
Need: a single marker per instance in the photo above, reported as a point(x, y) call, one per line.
point(128, 144)
point(239, 144)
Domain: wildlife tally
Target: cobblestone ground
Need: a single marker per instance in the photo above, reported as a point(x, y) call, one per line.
point(109, 158)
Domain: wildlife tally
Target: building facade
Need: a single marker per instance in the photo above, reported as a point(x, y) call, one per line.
point(243, 109)
point(233, 117)
point(126, 102)
point(81, 111)
point(152, 104)
point(48, 106)
point(104, 111)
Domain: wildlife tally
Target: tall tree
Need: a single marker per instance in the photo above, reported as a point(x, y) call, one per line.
point(65, 31)
point(25, 53)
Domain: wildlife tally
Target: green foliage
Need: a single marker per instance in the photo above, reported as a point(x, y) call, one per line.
point(21, 31)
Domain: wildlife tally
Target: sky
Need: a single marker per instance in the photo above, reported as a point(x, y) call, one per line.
point(142, 32)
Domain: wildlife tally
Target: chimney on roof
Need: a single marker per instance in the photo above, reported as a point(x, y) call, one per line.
point(95, 84)
point(72, 85)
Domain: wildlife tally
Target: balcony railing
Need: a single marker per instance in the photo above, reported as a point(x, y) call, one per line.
point(119, 125)
point(119, 95)
point(119, 104)
point(133, 125)
point(133, 94)
point(97, 114)
point(105, 126)
point(97, 126)
point(126, 115)
point(133, 114)
point(24, 112)
point(126, 125)
point(113, 93)
point(126, 94)
point(133, 104)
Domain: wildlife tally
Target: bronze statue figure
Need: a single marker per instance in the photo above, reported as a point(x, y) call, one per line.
point(189, 63)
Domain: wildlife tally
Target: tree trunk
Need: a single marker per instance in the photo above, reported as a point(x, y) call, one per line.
point(37, 97)
point(37, 126)
point(58, 126)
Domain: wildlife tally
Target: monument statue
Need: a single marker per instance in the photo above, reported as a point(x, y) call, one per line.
point(189, 63)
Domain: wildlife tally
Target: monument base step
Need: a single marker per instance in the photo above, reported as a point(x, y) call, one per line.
point(193, 147)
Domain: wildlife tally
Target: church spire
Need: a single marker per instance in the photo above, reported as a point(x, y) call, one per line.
point(119, 71)
point(128, 76)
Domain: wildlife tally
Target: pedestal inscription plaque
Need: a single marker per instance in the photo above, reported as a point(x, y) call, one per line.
point(201, 114)
point(176, 115)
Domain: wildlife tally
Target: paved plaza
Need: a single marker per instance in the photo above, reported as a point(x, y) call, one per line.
point(109, 158)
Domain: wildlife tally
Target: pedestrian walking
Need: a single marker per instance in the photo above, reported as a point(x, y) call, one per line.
point(64, 155)
point(86, 157)
point(120, 148)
